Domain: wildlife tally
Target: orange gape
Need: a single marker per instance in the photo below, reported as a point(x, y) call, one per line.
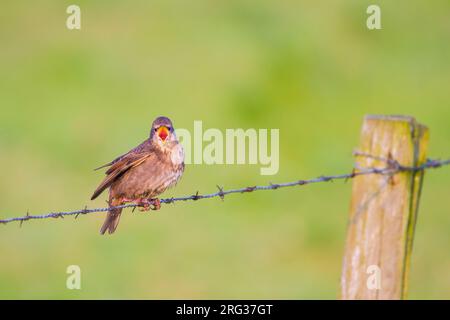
point(163, 132)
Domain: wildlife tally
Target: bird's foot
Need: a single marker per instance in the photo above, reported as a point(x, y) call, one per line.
point(148, 204)
point(156, 204)
point(143, 204)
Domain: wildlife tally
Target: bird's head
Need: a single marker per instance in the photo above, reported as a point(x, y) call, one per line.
point(162, 131)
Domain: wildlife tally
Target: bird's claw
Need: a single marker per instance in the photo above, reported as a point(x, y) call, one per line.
point(143, 206)
point(156, 204)
point(149, 204)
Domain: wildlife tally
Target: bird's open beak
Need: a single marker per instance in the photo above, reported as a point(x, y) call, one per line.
point(163, 132)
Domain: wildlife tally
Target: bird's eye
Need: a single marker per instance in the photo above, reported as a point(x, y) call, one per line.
point(170, 129)
point(156, 129)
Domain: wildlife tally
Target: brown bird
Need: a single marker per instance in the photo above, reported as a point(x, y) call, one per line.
point(143, 173)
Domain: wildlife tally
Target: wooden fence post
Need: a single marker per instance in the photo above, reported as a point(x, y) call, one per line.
point(383, 210)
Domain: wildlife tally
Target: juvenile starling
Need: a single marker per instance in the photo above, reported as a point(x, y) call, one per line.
point(143, 173)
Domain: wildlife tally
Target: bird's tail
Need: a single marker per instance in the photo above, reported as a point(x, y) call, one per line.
point(112, 218)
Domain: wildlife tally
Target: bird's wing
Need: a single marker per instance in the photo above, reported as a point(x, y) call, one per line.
point(122, 165)
point(108, 164)
point(139, 148)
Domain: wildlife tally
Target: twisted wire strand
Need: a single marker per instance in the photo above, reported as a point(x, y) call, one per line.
point(392, 168)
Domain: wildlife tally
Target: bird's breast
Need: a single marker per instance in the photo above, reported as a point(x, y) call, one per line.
point(153, 176)
point(177, 155)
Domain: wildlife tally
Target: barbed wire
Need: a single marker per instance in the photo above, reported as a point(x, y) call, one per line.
point(392, 167)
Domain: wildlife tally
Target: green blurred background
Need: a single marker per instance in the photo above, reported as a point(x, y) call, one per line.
point(72, 100)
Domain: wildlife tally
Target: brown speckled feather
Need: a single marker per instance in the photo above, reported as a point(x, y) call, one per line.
point(152, 176)
point(137, 149)
point(119, 167)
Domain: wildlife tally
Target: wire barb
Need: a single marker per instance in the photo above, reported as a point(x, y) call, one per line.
point(392, 167)
point(221, 193)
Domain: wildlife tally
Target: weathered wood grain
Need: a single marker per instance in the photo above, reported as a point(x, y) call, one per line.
point(383, 209)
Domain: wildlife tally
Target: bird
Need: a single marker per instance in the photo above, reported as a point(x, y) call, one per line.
point(143, 173)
